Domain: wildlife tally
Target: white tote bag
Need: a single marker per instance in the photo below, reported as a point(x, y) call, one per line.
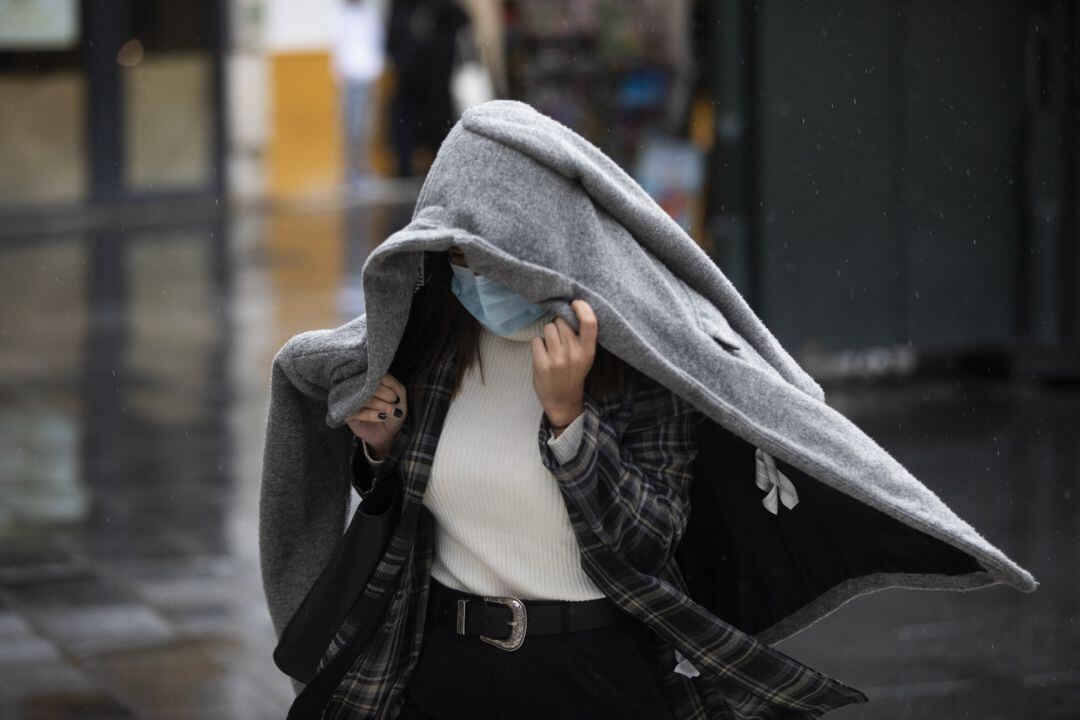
point(470, 82)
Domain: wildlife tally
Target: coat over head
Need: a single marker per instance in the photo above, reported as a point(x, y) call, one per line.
point(795, 509)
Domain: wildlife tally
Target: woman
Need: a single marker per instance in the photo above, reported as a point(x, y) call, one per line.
point(795, 509)
point(502, 528)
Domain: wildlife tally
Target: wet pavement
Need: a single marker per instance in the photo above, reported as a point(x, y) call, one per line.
point(135, 361)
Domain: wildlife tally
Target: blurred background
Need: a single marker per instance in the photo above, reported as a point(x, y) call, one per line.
point(891, 184)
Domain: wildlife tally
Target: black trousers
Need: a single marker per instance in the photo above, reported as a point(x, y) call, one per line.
point(588, 675)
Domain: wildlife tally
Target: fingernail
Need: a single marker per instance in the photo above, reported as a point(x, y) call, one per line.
point(382, 416)
point(397, 398)
point(398, 412)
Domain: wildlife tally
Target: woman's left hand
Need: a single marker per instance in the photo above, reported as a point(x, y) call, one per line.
point(561, 361)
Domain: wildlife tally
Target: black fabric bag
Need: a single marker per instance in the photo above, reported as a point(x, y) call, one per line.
point(366, 615)
point(338, 591)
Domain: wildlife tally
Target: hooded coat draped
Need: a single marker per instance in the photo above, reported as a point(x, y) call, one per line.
point(795, 510)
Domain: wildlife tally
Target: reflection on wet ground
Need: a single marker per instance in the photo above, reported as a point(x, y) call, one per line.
point(135, 366)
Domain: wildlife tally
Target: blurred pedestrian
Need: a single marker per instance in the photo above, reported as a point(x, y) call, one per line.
point(421, 40)
point(358, 61)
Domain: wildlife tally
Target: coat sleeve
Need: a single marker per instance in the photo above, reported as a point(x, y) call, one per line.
point(631, 489)
point(303, 496)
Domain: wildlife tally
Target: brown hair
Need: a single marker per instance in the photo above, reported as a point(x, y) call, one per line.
point(439, 324)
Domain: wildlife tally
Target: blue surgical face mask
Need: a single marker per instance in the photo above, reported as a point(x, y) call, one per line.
point(497, 307)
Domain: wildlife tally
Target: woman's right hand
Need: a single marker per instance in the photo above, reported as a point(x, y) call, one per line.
point(379, 432)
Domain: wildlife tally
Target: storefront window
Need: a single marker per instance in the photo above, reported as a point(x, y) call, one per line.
point(41, 74)
point(166, 81)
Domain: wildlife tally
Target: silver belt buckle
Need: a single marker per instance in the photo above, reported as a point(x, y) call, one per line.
point(517, 623)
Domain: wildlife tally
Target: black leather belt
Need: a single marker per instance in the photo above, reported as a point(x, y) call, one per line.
point(504, 621)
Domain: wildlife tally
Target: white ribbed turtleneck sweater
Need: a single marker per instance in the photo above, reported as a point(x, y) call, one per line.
point(502, 525)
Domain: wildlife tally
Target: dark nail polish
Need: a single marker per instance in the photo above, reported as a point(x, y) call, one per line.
point(382, 416)
point(397, 399)
point(398, 412)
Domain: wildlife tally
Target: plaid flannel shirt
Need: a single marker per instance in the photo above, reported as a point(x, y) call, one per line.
point(627, 493)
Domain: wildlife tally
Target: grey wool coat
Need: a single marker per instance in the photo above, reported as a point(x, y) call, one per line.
point(795, 510)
